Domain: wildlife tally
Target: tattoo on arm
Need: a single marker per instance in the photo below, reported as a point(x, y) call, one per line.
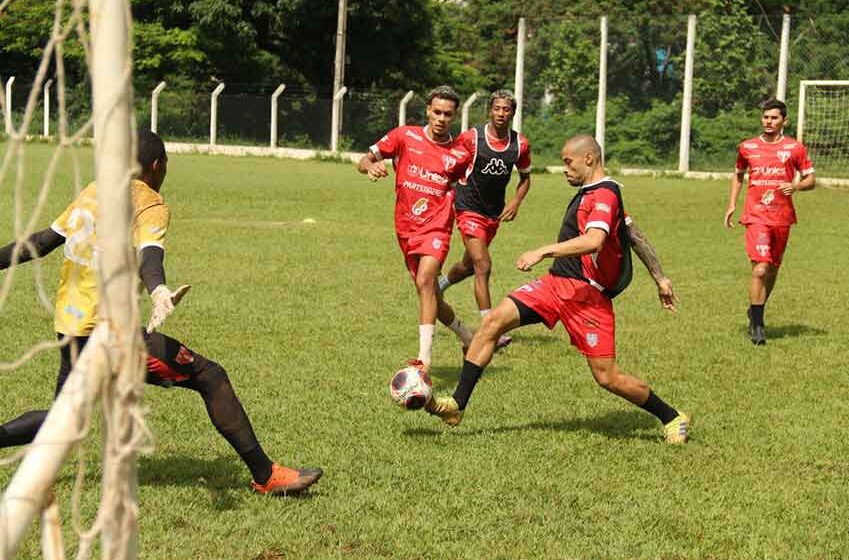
point(644, 250)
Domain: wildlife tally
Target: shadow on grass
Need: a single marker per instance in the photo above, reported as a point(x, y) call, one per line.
point(446, 377)
point(794, 331)
point(219, 477)
point(618, 424)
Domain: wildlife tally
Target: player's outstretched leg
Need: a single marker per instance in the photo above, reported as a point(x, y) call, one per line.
point(170, 362)
point(503, 318)
point(676, 425)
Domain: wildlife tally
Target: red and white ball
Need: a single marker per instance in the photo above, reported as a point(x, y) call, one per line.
point(410, 388)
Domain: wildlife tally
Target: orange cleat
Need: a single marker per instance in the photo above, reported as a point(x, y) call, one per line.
point(287, 482)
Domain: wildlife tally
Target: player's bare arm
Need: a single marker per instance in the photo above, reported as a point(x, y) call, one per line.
point(645, 251)
point(733, 194)
point(807, 183)
point(589, 242)
point(372, 166)
point(511, 209)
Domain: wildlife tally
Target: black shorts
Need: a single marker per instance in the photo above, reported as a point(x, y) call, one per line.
point(169, 361)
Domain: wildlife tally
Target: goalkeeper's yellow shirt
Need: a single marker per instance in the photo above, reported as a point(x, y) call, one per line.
point(76, 300)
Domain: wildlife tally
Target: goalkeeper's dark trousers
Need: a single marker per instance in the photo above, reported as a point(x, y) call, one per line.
point(169, 364)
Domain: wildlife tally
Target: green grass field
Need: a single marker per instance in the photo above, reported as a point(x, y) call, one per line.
point(311, 320)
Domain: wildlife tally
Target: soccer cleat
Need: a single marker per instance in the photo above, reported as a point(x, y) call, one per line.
point(677, 432)
point(287, 482)
point(758, 335)
point(446, 408)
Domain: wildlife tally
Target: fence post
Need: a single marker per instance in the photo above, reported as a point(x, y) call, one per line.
point(402, 108)
point(154, 105)
point(46, 128)
point(213, 114)
point(336, 119)
point(602, 86)
point(465, 119)
point(800, 115)
point(783, 58)
point(520, 75)
point(8, 115)
point(274, 97)
point(687, 102)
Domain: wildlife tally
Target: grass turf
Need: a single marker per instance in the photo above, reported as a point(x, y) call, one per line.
point(311, 319)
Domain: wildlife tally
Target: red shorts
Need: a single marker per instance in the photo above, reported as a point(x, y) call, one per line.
point(432, 243)
point(472, 224)
point(586, 313)
point(765, 243)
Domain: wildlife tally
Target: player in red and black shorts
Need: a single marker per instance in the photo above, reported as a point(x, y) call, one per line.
point(592, 264)
point(480, 201)
point(772, 161)
point(427, 162)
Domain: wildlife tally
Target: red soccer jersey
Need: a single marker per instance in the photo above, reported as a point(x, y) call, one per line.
point(424, 173)
point(597, 208)
point(770, 164)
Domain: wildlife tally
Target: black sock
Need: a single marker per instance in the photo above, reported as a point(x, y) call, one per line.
point(468, 379)
point(22, 430)
point(656, 406)
point(258, 463)
point(757, 315)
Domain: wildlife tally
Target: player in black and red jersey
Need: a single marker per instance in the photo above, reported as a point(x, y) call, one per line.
point(592, 264)
point(772, 160)
point(480, 203)
point(427, 162)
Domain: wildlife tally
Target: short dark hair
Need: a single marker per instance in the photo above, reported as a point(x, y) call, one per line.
point(444, 92)
point(150, 148)
point(774, 104)
point(505, 94)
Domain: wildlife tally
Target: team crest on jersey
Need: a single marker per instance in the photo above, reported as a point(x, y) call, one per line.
point(495, 166)
point(449, 162)
point(768, 197)
point(437, 243)
point(783, 155)
point(602, 207)
point(592, 339)
point(420, 207)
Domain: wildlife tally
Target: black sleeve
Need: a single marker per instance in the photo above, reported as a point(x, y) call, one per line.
point(39, 244)
point(152, 268)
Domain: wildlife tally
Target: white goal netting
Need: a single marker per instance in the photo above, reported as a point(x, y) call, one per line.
point(824, 125)
point(110, 370)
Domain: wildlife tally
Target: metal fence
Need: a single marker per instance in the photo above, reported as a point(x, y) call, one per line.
point(626, 79)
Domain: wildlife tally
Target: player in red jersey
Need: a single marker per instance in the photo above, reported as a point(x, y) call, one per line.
point(772, 160)
point(427, 161)
point(592, 264)
point(480, 201)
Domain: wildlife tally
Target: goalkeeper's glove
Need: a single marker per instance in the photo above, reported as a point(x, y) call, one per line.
point(164, 301)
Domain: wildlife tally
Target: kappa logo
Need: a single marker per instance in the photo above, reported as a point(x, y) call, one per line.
point(592, 339)
point(420, 207)
point(495, 166)
point(437, 243)
point(602, 207)
point(768, 197)
point(449, 162)
point(783, 155)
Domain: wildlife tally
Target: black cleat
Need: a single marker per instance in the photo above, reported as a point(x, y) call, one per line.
point(758, 335)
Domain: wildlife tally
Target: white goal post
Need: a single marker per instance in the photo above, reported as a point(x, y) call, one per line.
point(823, 124)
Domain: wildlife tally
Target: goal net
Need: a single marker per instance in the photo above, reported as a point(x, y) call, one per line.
point(110, 369)
point(824, 125)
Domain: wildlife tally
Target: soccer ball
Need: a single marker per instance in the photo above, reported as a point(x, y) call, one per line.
point(410, 388)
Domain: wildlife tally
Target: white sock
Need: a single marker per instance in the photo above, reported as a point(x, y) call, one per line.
point(461, 331)
point(426, 343)
point(485, 312)
point(444, 282)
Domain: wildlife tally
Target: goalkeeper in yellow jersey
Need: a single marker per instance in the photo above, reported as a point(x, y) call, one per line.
point(169, 362)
